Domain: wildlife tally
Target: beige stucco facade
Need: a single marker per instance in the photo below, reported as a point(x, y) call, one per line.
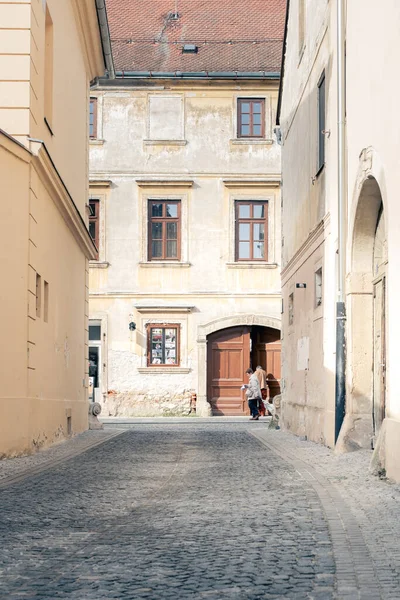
point(49, 52)
point(177, 140)
point(310, 231)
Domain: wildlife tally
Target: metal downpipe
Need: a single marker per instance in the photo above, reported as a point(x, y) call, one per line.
point(340, 378)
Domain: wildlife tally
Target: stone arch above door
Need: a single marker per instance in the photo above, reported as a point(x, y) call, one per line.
point(233, 321)
point(203, 408)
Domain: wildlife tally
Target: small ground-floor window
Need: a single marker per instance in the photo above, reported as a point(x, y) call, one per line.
point(163, 345)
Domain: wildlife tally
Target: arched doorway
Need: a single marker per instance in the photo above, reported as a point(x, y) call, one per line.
point(230, 352)
point(367, 317)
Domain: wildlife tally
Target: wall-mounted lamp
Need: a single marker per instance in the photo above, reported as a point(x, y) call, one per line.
point(132, 326)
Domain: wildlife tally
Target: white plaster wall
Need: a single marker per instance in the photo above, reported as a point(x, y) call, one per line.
point(208, 280)
point(309, 225)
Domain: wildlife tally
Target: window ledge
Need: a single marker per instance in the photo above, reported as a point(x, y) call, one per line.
point(98, 264)
point(164, 142)
point(251, 142)
point(251, 265)
point(160, 370)
point(96, 142)
point(164, 264)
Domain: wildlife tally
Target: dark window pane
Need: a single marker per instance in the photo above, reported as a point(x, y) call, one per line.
point(156, 231)
point(94, 332)
point(244, 211)
point(172, 249)
point(172, 210)
point(257, 130)
point(245, 119)
point(257, 119)
point(245, 107)
point(258, 232)
point(244, 249)
point(156, 249)
point(157, 210)
point(258, 250)
point(258, 211)
point(245, 130)
point(92, 231)
point(257, 107)
point(172, 231)
point(244, 232)
point(92, 209)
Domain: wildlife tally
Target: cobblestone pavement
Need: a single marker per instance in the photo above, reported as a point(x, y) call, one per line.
point(197, 510)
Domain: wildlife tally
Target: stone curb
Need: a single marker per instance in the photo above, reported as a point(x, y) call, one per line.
point(355, 572)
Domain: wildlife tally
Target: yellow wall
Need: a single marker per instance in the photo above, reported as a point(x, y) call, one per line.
point(44, 189)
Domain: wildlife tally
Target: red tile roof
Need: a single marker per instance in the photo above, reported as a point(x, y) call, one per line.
point(231, 35)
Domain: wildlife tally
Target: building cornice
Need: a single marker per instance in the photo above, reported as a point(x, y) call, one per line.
point(99, 183)
point(303, 251)
point(13, 146)
point(89, 36)
point(162, 308)
point(61, 197)
point(171, 183)
point(253, 183)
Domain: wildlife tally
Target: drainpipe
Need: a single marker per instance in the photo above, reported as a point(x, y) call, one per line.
point(340, 380)
point(105, 37)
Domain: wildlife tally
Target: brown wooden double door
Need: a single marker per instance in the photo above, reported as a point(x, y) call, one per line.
point(228, 357)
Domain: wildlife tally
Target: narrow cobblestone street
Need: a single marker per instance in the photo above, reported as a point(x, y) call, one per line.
point(196, 510)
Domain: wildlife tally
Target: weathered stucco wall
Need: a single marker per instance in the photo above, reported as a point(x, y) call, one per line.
point(372, 178)
point(206, 167)
point(309, 228)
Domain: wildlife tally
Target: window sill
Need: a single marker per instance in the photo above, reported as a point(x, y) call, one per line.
point(164, 264)
point(251, 142)
point(160, 370)
point(98, 264)
point(251, 265)
point(96, 142)
point(164, 142)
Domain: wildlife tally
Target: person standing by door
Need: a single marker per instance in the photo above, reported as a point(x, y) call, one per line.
point(262, 380)
point(253, 393)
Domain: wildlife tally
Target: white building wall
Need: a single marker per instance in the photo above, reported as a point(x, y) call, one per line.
point(201, 162)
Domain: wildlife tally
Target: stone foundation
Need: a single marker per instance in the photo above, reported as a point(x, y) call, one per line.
point(146, 404)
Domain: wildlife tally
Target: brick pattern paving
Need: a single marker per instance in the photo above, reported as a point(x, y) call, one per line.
point(199, 510)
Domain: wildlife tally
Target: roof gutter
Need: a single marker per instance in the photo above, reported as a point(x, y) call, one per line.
point(278, 111)
point(196, 75)
point(105, 37)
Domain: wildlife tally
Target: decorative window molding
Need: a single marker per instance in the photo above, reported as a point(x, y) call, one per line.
point(266, 118)
point(97, 137)
point(163, 345)
point(98, 194)
point(251, 230)
point(260, 195)
point(164, 230)
point(93, 118)
point(173, 191)
point(251, 118)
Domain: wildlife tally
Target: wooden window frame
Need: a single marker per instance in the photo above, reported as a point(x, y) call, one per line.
point(96, 220)
point(164, 326)
point(164, 220)
point(251, 220)
point(321, 122)
point(250, 101)
point(93, 135)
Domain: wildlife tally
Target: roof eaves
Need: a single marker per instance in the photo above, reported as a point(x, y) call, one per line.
point(278, 112)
